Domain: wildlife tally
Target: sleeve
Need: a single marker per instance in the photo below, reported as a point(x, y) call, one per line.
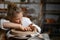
point(1, 24)
point(26, 22)
point(38, 28)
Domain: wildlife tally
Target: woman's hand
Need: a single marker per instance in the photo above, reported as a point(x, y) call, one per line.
point(33, 28)
point(22, 28)
point(27, 29)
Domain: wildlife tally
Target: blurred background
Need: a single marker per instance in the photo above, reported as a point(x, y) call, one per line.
point(44, 13)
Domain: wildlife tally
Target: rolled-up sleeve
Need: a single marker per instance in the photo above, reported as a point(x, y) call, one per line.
point(1, 24)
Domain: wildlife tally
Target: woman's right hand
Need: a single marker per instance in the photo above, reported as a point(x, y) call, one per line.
point(25, 28)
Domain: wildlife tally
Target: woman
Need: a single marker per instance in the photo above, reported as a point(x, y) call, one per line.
point(15, 20)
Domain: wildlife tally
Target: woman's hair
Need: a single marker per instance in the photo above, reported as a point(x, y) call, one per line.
point(13, 10)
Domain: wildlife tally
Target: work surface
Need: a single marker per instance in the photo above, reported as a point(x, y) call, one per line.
point(30, 35)
point(45, 36)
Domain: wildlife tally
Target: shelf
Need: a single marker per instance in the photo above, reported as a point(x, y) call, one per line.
point(1, 2)
point(53, 12)
point(3, 10)
point(52, 1)
point(20, 2)
point(52, 23)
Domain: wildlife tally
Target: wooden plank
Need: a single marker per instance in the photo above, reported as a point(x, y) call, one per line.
point(54, 12)
point(3, 10)
point(1, 1)
point(52, 1)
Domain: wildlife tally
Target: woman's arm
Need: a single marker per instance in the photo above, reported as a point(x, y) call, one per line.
point(12, 25)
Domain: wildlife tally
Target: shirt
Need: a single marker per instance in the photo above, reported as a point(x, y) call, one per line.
point(25, 23)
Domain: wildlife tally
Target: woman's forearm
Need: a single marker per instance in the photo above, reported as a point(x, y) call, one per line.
point(11, 25)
